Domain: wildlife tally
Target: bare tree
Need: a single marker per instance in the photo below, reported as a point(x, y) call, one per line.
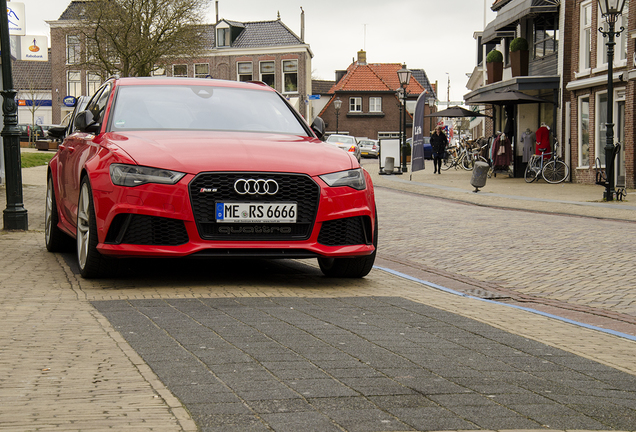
point(129, 37)
point(34, 99)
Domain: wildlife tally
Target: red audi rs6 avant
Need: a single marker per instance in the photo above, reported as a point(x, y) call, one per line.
point(186, 167)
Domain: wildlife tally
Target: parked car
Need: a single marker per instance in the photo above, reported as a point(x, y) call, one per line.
point(369, 147)
point(345, 142)
point(428, 150)
point(29, 132)
point(185, 167)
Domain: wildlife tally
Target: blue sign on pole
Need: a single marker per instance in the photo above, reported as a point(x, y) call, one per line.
point(69, 101)
point(313, 97)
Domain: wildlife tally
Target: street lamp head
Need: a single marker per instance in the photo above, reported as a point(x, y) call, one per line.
point(337, 104)
point(611, 9)
point(431, 101)
point(404, 75)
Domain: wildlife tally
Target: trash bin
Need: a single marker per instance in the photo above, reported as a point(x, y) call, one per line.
point(480, 174)
point(389, 165)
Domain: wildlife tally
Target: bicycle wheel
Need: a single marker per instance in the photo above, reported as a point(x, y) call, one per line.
point(555, 171)
point(448, 162)
point(531, 173)
point(467, 162)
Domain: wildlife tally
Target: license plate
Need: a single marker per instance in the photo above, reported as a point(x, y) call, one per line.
point(256, 212)
point(364, 153)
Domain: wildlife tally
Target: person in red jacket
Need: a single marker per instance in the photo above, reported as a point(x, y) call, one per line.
point(543, 140)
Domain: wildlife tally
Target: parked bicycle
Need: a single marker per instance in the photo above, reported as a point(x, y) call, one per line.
point(463, 157)
point(553, 171)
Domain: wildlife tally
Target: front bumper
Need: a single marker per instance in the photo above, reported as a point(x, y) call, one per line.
point(173, 221)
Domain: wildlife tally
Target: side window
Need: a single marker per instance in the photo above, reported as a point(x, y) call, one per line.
point(98, 103)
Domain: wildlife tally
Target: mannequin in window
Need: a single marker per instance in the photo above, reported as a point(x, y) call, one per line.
point(528, 138)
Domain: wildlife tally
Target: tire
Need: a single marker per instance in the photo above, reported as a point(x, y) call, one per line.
point(468, 163)
point(555, 171)
point(531, 174)
point(91, 263)
point(356, 267)
point(54, 239)
point(447, 162)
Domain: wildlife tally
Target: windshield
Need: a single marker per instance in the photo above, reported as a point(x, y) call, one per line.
point(207, 108)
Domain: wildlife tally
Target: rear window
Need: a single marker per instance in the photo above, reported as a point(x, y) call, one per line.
point(205, 108)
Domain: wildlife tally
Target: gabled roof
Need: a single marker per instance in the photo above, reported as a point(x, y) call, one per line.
point(74, 10)
point(264, 34)
point(376, 77)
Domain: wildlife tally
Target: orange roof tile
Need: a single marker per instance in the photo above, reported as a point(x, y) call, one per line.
point(374, 77)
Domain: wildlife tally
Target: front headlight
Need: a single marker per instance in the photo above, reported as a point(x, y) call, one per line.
point(135, 175)
point(352, 178)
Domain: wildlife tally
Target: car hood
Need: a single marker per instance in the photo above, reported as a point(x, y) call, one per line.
point(194, 152)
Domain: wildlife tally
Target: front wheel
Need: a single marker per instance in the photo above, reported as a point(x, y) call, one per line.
point(555, 171)
point(91, 263)
point(468, 163)
point(447, 162)
point(356, 267)
point(531, 173)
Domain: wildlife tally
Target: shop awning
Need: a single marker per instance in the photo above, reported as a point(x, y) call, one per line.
point(508, 16)
point(516, 88)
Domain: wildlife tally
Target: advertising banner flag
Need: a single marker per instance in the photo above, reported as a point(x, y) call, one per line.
point(417, 148)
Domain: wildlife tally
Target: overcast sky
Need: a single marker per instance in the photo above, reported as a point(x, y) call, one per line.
point(433, 35)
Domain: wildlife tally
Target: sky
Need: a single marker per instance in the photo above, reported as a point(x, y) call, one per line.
point(433, 35)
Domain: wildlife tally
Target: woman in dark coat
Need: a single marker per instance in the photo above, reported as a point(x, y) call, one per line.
point(438, 144)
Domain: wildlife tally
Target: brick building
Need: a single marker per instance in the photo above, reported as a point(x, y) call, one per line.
point(568, 69)
point(370, 105)
point(262, 51)
point(585, 97)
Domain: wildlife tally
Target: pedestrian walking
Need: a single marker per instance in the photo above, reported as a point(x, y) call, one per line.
point(438, 144)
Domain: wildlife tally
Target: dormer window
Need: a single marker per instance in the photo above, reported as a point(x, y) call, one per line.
point(223, 37)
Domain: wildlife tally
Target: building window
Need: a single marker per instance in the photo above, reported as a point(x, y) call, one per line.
point(159, 71)
point(290, 76)
point(201, 70)
point(179, 70)
point(73, 83)
point(585, 47)
point(546, 36)
point(72, 49)
point(584, 131)
point(355, 104)
point(268, 70)
point(601, 126)
point(244, 71)
point(620, 49)
point(222, 37)
point(93, 82)
point(375, 104)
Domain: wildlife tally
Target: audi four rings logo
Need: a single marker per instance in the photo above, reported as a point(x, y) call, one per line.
point(256, 187)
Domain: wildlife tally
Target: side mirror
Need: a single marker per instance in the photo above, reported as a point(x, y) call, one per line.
point(318, 126)
point(56, 132)
point(85, 123)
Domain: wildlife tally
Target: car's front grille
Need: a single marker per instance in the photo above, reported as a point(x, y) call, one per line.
point(208, 189)
point(343, 232)
point(146, 230)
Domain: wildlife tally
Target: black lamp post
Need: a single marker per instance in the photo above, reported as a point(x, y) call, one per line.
point(404, 75)
point(15, 215)
point(610, 10)
point(337, 104)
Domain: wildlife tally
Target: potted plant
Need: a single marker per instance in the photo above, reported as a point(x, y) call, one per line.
point(494, 66)
point(519, 57)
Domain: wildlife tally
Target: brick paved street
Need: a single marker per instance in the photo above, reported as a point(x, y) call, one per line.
point(257, 345)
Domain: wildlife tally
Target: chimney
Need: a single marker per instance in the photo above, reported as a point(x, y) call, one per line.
point(217, 11)
point(362, 57)
point(302, 24)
